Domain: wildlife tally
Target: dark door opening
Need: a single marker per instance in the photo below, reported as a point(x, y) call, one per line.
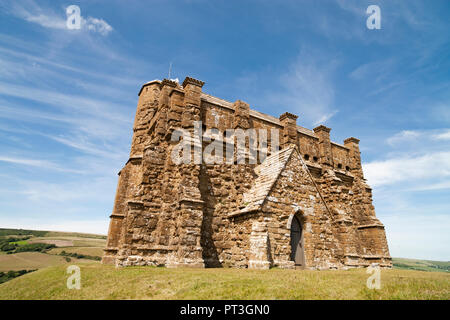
point(297, 254)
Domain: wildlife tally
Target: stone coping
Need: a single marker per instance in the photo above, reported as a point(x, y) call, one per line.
point(375, 257)
point(147, 84)
point(191, 200)
point(256, 114)
point(117, 215)
point(375, 225)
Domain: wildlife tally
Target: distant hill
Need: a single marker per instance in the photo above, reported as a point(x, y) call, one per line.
point(421, 265)
point(25, 250)
point(21, 232)
point(40, 233)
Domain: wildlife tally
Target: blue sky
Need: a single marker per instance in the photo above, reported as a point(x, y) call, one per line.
point(68, 97)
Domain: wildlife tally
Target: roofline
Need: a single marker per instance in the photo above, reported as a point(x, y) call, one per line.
point(253, 113)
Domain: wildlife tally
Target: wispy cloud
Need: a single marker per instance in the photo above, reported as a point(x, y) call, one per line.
point(419, 161)
point(33, 12)
point(43, 164)
point(28, 162)
point(442, 136)
point(407, 168)
point(403, 136)
point(375, 70)
point(73, 102)
point(97, 25)
point(82, 143)
point(307, 88)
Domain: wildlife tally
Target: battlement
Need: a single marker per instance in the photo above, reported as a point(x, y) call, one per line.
point(212, 108)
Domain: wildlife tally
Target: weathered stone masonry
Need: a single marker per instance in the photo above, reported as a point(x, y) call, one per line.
point(239, 215)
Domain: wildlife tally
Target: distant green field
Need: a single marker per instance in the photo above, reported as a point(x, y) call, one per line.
point(70, 242)
point(75, 234)
point(107, 282)
point(421, 265)
point(33, 260)
point(21, 232)
point(91, 251)
point(40, 233)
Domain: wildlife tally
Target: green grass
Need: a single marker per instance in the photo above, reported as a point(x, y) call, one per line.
point(32, 260)
point(106, 282)
point(20, 243)
point(90, 251)
point(71, 241)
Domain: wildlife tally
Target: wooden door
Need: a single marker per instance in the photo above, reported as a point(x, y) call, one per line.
point(297, 254)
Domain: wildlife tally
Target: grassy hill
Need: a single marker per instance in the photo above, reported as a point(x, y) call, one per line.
point(421, 265)
point(405, 281)
point(40, 233)
point(106, 282)
point(33, 260)
point(31, 249)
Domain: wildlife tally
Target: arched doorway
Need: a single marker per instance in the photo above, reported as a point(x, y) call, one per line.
point(297, 251)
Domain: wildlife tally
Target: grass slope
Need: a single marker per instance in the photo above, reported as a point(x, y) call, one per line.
point(106, 282)
point(33, 260)
point(90, 251)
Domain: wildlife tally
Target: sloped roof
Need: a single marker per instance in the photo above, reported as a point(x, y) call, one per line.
point(268, 173)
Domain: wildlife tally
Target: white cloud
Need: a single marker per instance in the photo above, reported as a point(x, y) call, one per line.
point(406, 168)
point(28, 162)
point(442, 136)
point(82, 143)
point(308, 88)
point(77, 103)
point(377, 70)
point(325, 117)
point(44, 164)
point(32, 12)
point(97, 25)
point(46, 21)
point(419, 161)
point(403, 136)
